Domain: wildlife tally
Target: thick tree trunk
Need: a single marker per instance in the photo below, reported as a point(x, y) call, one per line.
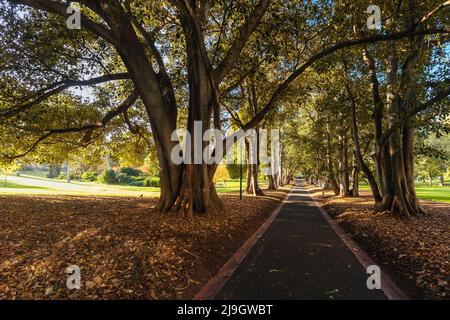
point(280, 167)
point(344, 182)
point(408, 156)
point(355, 177)
point(400, 203)
point(54, 171)
point(252, 181)
point(252, 169)
point(158, 98)
point(395, 146)
point(360, 163)
point(400, 103)
point(186, 188)
point(405, 202)
point(331, 176)
point(384, 172)
point(272, 183)
point(68, 172)
point(382, 196)
point(197, 192)
point(273, 175)
point(288, 176)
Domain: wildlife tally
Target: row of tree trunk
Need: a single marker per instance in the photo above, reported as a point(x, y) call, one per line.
point(393, 188)
point(392, 184)
point(278, 176)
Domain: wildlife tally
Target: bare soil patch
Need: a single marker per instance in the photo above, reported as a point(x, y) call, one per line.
point(124, 248)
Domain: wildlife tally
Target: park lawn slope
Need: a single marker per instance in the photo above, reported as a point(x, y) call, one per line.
point(424, 191)
point(124, 248)
point(26, 184)
point(433, 193)
point(414, 252)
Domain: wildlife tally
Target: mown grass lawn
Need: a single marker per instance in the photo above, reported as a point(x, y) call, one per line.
point(427, 192)
point(14, 185)
point(36, 182)
point(434, 193)
point(234, 185)
point(36, 173)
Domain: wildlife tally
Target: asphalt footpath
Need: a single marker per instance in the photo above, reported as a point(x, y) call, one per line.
point(300, 256)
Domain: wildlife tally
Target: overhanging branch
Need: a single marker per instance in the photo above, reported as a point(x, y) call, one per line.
point(61, 10)
point(58, 87)
point(244, 34)
point(123, 107)
point(281, 89)
point(421, 107)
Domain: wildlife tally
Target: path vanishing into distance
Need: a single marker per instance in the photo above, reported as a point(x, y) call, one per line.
point(300, 256)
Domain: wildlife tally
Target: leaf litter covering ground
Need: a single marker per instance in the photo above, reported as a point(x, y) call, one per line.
point(415, 253)
point(125, 249)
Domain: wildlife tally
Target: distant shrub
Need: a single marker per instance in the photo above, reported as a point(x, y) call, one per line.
point(63, 176)
point(126, 179)
point(132, 172)
point(152, 182)
point(123, 178)
point(155, 182)
point(234, 170)
point(89, 176)
point(108, 177)
point(146, 182)
point(137, 183)
point(140, 178)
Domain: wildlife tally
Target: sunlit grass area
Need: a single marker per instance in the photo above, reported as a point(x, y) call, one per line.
point(427, 192)
point(36, 173)
point(234, 185)
point(435, 193)
point(36, 182)
point(13, 185)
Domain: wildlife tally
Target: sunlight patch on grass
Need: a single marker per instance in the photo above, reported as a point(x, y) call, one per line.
point(37, 184)
point(14, 185)
point(426, 192)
